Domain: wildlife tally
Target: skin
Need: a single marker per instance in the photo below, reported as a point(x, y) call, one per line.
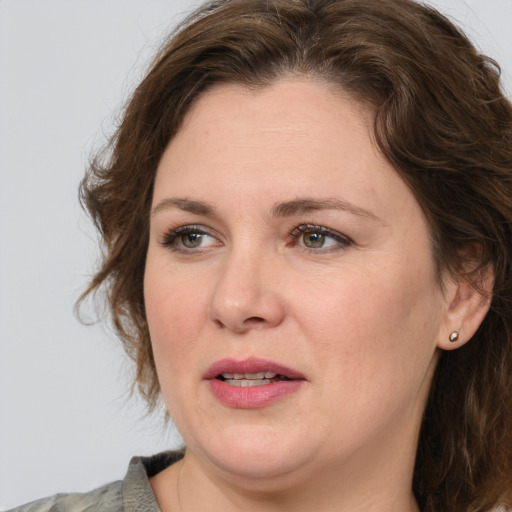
point(361, 317)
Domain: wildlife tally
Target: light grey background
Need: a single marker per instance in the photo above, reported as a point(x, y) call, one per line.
point(66, 423)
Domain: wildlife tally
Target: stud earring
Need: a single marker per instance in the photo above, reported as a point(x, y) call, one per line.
point(454, 336)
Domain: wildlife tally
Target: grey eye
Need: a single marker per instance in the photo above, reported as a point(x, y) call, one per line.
point(313, 239)
point(192, 240)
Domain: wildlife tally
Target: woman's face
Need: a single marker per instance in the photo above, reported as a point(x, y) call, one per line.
point(283, 244)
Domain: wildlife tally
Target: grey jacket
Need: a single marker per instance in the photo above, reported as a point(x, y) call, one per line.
point(132, 494)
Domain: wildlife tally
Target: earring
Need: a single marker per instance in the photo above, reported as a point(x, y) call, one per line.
point(454, 336)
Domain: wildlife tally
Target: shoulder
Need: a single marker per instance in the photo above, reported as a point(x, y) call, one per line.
point(132, 494)
point(108, 498)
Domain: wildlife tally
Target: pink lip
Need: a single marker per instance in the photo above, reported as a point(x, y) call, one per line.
point(250, 365)
point(253, 397)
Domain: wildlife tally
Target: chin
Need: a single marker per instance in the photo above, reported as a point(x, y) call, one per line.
point(256, 452)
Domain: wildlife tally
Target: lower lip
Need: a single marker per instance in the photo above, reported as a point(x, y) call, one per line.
point(253, 397)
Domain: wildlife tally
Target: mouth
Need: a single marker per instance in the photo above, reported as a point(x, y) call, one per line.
point(247, 380)
point(251, 372)
point(252, 383)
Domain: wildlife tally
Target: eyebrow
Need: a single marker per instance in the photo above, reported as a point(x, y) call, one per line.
point(285, 209)
point(307, 205)
point(187, 205)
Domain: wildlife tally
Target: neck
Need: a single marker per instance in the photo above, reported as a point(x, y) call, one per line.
point(194, 484)
point(376, 477)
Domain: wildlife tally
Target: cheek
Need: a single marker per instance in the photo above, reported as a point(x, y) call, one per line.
point(176, 310)
point(175, 321)
point(375, 330)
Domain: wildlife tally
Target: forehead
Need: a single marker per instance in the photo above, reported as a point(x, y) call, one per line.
point(294, 138)
point(290, 108)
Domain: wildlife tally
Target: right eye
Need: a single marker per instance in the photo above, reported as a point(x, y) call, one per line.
point(189, 238)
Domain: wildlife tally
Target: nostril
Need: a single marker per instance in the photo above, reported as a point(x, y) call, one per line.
point(218, 323)
point(248, 323)
point(254, 319)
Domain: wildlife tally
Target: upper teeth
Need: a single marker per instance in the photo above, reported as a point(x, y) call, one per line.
point(256, 376)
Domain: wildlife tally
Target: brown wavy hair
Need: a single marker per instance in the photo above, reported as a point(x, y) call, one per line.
point(440, 119)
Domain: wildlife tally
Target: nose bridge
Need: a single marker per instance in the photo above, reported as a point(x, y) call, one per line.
point(245, 295)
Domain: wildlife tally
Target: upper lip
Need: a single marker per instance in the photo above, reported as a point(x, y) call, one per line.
point(250, 365)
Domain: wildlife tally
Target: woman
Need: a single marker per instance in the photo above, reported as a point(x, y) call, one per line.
point(306, 215)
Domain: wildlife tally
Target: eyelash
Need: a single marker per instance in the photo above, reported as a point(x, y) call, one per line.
point(342, 241)
point(171, 238)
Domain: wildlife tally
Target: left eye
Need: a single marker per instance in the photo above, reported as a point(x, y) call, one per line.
point(318, 237)
point(314, 240)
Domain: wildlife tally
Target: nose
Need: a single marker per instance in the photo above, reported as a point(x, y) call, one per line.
point(246, 293)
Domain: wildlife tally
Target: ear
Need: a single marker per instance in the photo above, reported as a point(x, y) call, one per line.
point(467, 304)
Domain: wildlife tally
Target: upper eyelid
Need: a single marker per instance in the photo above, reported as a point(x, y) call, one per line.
point(295, 232)
point(191, 228)
point(170, 235)
point(301, 228)
point(297, 228)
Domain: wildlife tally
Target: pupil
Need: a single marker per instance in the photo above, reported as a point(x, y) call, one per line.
point(314, 240)
point(191, 240)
